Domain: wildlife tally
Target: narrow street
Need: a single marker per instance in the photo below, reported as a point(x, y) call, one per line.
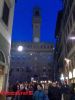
point(37, 50)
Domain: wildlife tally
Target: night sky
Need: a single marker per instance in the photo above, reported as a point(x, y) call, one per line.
point(22, 26)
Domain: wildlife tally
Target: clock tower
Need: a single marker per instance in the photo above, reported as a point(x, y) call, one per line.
point(36, 25)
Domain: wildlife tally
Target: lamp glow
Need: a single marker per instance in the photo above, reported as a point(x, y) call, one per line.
point(31, 54)
point(72, 38)
point(34, 81)
point(66, 78)
point(62, 77)
point(41, 82)
point(49, 81)
point(73, 73)
point(70, 75)
point(20, 48)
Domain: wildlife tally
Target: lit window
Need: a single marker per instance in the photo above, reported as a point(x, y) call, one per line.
point(73, 73)
point(70, 75)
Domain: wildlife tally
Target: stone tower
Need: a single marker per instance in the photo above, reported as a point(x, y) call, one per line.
point(36, 25)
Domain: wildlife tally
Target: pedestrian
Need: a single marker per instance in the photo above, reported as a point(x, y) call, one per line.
point(66, 91)
point(34, 87)
point(46, 88)
point(54, 92)
point(39, 94)
point(50, 91)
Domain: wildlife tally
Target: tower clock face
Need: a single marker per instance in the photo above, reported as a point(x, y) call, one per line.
point(36, 39)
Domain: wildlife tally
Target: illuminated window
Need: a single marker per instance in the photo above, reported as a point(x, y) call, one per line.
point(73, 73)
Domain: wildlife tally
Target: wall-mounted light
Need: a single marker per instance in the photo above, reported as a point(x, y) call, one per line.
point(62, 77)
point(20, 48)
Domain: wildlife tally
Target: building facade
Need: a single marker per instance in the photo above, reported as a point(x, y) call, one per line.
point(35, 59)
point(58, 64)
point(69, 16)
point(6, 22)
point(67, 30)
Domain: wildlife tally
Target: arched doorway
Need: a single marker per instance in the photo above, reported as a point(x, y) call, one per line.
point(2, 71)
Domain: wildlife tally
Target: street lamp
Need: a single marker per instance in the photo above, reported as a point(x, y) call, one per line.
point(20, 48)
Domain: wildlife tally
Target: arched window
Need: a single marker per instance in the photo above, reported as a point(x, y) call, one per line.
point(2, 57)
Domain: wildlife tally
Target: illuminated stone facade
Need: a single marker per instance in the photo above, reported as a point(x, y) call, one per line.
point(6, 22)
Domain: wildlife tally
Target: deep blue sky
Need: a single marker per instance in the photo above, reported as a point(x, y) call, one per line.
point(22, 26)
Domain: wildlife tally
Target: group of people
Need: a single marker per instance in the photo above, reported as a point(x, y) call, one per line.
point(43, 91)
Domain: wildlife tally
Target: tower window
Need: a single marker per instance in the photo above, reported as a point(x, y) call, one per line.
point(37, 13)
point(5, 15)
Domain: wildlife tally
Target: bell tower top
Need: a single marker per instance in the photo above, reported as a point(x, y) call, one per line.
point(36, 12)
